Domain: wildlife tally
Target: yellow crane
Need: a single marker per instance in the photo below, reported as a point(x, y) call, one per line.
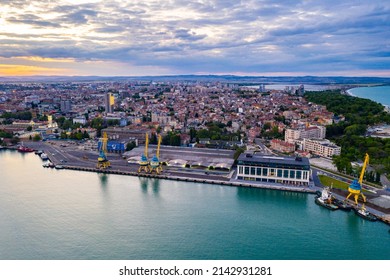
point(144, 161)
point(155, 164)
point(355, 188)
point(103, 162)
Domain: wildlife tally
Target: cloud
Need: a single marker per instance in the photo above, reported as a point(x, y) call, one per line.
point(32, 20)
point(218, 36)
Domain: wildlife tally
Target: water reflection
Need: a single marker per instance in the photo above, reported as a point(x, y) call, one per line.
point(144, 184)
point(154, 185)
point(269, 195)
point(103, 178)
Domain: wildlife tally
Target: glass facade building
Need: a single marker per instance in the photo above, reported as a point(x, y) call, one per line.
point(273, 169)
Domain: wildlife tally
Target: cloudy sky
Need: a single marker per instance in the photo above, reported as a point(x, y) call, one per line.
point(159, 37)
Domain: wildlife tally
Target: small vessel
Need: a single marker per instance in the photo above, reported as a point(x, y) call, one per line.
point(51, 165)
point(44, 156)
point(59, 166)
point(342, 205)
point(326, 200)
point(38, 152)
point(362, 212)
point(23, 149)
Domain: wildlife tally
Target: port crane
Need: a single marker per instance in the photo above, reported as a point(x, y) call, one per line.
point(103, 162)
point(355, 188)
point(155, 164)
point(144, 161)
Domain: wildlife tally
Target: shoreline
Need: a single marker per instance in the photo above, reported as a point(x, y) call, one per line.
point(349, 93)
point(198, 177)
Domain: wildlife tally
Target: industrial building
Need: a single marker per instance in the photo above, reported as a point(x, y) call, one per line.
point(273, 169)
point(184, 157)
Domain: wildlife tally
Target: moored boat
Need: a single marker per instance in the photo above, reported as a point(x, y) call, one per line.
point(44, 156)
point(23, 149)
point(325, 204)
point(362, 212)
point(342, 205)
point(326, 200)
point(59, 166)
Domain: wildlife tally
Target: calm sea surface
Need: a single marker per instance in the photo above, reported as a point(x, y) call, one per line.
point(61, 214)
point(379, 94)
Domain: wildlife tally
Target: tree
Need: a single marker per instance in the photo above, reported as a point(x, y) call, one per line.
point(131, 145)
point(37, 137)
point(238, 152)
point(153, 139)
point(15, 140)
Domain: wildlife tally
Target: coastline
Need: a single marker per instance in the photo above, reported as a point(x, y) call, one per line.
point(350, 93)
point(213, 179)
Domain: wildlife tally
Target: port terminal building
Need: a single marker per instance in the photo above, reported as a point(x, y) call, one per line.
point(185, 157)
point(273, 169)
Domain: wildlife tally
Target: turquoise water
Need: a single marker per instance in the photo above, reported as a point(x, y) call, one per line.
point(379, 94)
point(63, 214)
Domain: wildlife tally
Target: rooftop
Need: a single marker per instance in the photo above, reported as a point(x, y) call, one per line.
point(274, 159)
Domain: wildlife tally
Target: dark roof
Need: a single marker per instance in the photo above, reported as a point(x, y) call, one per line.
point(301, 161)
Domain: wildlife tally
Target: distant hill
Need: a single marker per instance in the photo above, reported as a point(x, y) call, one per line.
point(212, 78)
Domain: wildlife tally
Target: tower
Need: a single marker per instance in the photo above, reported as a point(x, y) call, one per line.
point(109, 102)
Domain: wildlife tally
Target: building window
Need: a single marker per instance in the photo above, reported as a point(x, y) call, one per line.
point(272, 172)
point(246, 170)
point(258, 172)
point(285, 173)
point(280, 171)
point(240, 169)
point(299, 174)
point(253, 170)
point(292, 174)
point(265, 171)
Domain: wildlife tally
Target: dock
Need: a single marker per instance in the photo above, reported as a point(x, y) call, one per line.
point(189, 178)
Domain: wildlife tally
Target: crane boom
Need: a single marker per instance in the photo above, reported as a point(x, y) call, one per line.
point(366, 159)
point(146, 145)
point(158, 146)
point(104, 142)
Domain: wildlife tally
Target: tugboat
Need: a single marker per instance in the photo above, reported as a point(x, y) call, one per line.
point(362, 212)
point(325, 200)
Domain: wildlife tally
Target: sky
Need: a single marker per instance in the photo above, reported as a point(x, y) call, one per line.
point(172, 37)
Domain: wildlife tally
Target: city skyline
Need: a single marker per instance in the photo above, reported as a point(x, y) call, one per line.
point(136, 38)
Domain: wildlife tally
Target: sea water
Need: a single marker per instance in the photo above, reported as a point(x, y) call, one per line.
point(63, 214)
point(379, 94)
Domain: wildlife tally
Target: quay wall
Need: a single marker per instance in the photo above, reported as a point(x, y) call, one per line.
point(192, 179)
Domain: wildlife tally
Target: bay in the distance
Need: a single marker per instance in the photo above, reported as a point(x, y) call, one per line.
point(62, 214)
point(379, 94)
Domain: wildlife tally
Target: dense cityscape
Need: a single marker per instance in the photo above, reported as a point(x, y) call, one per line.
point(212, 114)
point(160, 131)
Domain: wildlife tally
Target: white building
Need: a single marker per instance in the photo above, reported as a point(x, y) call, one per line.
point(321, 147)
point(311, 132)
point(81, 120)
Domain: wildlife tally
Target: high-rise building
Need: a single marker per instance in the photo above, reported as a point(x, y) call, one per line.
point(109, 102)
point(66, 106)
